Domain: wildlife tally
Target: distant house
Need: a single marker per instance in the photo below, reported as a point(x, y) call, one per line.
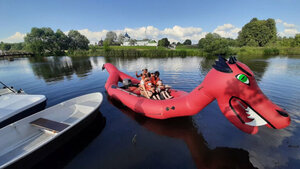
point(126, 37)
point(1, 52)
point(146, 42)
point(172, 46)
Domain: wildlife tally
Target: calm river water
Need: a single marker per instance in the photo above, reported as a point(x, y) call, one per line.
point(121, 139)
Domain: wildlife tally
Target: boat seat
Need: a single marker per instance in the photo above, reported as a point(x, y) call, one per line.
point(49, 125)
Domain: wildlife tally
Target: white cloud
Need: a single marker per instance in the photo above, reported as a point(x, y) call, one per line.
point(17, 37)
point(181, 33)
point(289, 30)
point(278, 21)
point(287, 25)
point(93, 36)
point(174, 34)
point(227, 31)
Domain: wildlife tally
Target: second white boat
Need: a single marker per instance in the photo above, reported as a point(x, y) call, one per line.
point(28, 140)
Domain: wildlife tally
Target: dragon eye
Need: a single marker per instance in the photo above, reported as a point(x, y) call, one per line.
point(243, 78)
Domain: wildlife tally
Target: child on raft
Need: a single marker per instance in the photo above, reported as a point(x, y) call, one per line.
point(151, 86)
point(163, 90)
point(148, 89)
point(155, 77)
point(144, 73)
point(160, 87)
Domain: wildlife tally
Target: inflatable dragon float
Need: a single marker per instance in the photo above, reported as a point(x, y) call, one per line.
point(231, 82)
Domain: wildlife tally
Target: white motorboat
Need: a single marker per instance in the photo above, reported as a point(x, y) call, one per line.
point(15, 105)
point(29, 140)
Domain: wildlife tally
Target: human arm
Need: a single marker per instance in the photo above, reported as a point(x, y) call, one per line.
point(145, 91)
point(137, 74)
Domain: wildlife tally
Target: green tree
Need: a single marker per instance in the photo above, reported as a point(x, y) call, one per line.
point(132, 42)
point(17, 46)
point(164, 42)
point(121, 38)
point(44, 41)
point(297, 40)
point(111, 37)
point(50, 39)
point(6, 46)
point(187, 42)
point(40, 40)
point(61, 42)
point(232, 42)
point(77, 41)
point(1, 45)
point(286, 42)
point(214, 44)
point(106, 46)
point(258, 33)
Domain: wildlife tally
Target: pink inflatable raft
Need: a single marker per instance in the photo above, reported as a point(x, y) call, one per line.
point(231, 82)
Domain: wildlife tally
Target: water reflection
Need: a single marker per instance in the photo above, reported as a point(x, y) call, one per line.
point(186, 130)
point(178, 64)
point(258, 67)
point(58, 68)
point(278, 77)
point(174, 64)
point(62, 156)
point(81, 66)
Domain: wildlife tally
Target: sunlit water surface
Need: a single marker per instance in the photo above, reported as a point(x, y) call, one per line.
point(128, 140)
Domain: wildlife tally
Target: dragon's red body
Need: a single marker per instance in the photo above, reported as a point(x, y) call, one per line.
point(231, 82)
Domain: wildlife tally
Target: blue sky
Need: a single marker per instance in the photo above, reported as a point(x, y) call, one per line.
point(153, 19)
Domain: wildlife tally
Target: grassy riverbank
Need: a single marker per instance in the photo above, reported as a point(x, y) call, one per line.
point(266, 51)
point(137, 51)
point(182, 51)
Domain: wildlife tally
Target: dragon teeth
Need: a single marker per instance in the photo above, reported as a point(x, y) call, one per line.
point(257, 120)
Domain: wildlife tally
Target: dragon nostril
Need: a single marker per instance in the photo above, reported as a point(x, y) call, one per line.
point(284, 114)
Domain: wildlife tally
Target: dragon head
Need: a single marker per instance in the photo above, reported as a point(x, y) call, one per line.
point(240, 99)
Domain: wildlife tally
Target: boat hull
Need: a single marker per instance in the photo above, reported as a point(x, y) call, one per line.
point(38, 107)
point(31, 139)
point(39, 154)
point(180, 105)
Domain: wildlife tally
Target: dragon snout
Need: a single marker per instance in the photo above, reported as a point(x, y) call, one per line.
point(282, 113)
point(282, 120)
point(248, 115)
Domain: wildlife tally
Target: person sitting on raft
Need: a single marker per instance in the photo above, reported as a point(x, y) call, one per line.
point(155, 77)
point(148, 89)
point(144, 73)
point(163, 90)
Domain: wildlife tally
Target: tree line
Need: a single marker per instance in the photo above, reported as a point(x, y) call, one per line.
point(256, 33)
point(44, 41)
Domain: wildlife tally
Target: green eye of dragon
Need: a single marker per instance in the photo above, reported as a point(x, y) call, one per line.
point(243, 78)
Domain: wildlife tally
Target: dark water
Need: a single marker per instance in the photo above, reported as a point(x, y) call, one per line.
point(119, 138)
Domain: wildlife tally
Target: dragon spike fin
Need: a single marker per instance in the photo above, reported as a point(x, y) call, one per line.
point(222, 66)
point(232, 60)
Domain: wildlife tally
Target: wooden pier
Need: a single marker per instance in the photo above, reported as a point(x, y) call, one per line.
point(12, 54)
